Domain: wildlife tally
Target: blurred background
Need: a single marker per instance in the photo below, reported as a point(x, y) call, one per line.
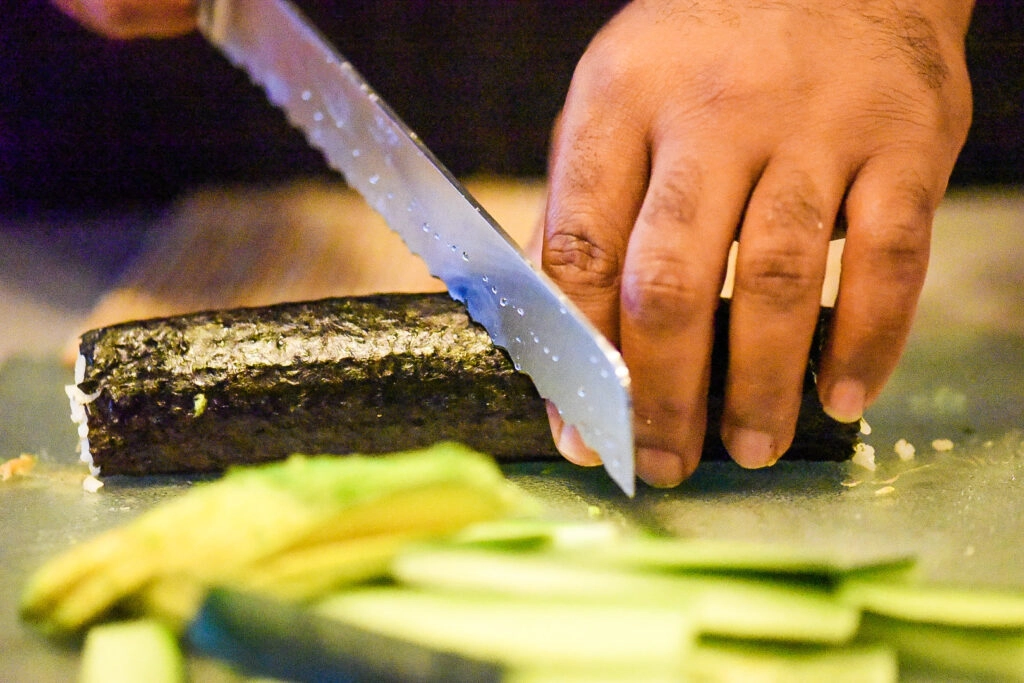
point(88, 124)
point(133, 174)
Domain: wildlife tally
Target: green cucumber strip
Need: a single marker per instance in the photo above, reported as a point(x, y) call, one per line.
point(739, 662)
point(710, 555)
point(724, 660)
point(532, 533)
point(634, 673)
point(935, 603)
point(270, 638)
point(995, 653)
point(131, 651)
point(519, 632)
point(720, 605)
point(766, 609)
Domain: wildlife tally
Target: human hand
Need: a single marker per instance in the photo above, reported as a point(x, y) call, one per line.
point(133, 18)
point(691, 124)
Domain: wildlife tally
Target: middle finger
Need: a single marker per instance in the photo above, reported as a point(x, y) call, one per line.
point(672, 275)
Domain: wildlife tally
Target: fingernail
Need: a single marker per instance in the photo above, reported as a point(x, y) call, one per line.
point(845, 401)
point(661, 469)
point(750, 448)
point(569, 442)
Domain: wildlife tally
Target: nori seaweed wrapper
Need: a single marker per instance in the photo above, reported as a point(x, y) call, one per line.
point(372, 374)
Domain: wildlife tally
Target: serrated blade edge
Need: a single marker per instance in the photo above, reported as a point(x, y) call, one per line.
point(569, 361)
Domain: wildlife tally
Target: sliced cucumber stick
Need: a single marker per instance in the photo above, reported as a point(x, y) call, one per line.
point(130, 652)
point(522, 632)
point(936, 603)
point(723, 660)
point(739, 662)
point(719, 605)
point(654, 553)
point(994, 653)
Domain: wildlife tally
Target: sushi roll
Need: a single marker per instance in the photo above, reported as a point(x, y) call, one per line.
point(371, 374)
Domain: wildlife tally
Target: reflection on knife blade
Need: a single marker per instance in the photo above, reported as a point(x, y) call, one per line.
point(523, 311)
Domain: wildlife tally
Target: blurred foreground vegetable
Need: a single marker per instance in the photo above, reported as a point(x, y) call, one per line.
point(292, 529)
point(409, 565)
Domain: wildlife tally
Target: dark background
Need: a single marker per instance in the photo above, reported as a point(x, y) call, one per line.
point(92, 125)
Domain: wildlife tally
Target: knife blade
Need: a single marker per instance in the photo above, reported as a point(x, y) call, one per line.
point(523, 311)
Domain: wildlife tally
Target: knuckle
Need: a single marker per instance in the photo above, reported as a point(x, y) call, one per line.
point(781, 277)
point(663, 295)
point(793, 205)
point(899, 242)
point(674, 199)
point(904, 248)
point(780, 265)
point(608, 68)
point(796, 208)
point(575, 257)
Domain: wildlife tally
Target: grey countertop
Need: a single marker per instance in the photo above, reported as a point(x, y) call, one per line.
point(961, 511)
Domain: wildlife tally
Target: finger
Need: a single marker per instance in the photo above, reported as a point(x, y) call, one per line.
point(673, 274)
point(780, 268)
point(597, 177)
point(596, 180)
point(889, 212)
point(126, 19)
point(568, 440)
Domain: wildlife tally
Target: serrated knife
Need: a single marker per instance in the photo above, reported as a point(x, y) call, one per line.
point(524, 312)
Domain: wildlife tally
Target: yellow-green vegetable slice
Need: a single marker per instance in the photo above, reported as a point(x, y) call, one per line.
point(935, 603)
point(973, 652)
point(522, 632)
point(734, 661)
point(130, 652)
point(657, 553)
point(721, 605)
point(253, 518)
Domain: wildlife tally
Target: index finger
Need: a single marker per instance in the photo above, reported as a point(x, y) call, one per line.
point(596, 182)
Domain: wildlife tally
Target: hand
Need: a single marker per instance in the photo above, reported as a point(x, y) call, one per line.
point(692, 124)
point(133, 18)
